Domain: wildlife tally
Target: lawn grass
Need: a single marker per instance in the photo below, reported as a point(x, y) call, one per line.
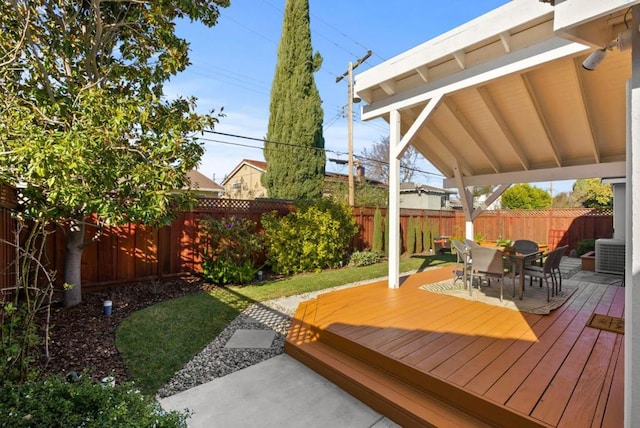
point(157, 341)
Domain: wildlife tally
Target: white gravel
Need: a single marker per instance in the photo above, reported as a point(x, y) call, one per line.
point(216, 361)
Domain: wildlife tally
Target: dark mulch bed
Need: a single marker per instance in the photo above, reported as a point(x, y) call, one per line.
point(83, 339)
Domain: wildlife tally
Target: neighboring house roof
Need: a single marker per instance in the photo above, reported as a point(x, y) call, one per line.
point(262, 167)
point(203, 183)
point(259, 165)
point(337, 177)
point(423, 188)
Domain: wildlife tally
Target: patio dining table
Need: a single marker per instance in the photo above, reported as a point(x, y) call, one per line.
point(519, 260)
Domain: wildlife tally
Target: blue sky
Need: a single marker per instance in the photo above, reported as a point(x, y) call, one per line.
point(233, 65)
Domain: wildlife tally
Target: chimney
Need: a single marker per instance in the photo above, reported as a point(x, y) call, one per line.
point(360, 173)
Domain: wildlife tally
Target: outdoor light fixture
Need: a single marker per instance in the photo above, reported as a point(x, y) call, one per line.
point(623, 42)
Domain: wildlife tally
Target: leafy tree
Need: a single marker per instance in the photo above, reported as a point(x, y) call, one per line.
point(525, 196)
point(376, 161)
point(296, 170)
point(84, 126)
point(481, 190)
point(565, 200)
point(366, 194)
point(593, 193)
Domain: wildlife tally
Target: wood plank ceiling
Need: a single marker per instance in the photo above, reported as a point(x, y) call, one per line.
point(516, 104)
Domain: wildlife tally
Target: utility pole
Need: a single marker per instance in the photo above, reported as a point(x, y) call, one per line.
point(349, 76)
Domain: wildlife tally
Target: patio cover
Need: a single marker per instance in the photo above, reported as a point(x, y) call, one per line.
point(504, 99)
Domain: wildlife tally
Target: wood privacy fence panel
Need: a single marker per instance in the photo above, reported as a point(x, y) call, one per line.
point(136, 252)
point(572, 224)
point(443, 223)
point(7, 235)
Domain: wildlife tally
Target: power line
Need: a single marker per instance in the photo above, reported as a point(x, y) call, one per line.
point(279, 143)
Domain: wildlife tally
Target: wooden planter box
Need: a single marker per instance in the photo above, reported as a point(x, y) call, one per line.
point(589, 261)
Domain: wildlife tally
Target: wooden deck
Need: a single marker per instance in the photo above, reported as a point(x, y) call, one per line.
point(425, 359)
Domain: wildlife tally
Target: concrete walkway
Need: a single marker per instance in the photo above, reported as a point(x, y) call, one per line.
point(279, 392)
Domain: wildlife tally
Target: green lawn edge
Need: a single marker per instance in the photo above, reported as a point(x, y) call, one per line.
point(158, 341)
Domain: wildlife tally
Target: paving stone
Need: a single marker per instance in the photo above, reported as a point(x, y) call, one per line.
point(259, 339)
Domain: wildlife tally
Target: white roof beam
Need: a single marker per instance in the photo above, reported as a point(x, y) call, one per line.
point(474, 32)
point(389, 87)
point(460, 58)
point(472, 133)
point(465, 195)
point(423, 72)
point(447, 147)
point(542, 118)
point(418, 122)
point(502, 124)
point(505, 38)
point(610, 169)
point(495, 194)
point(434, 150)
point(515, 62)
point(585, 111)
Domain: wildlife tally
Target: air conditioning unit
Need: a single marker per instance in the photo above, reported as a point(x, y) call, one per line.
point(610, 256)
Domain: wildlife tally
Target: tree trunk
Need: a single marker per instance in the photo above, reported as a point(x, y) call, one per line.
point(72, 265)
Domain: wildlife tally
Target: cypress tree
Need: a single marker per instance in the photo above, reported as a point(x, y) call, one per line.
point(411, 236)
point(418, 226)
point(378, 227)
point(386, 235)
point(435, 233)
point(295, 170)
point(426, 237)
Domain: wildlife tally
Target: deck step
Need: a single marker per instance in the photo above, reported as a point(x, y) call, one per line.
point(382, 392)
point(400, 392)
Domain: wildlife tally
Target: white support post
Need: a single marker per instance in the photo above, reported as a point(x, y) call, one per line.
point(393, 213)
point(468, 229)
point(467, 201)
point(632, 265)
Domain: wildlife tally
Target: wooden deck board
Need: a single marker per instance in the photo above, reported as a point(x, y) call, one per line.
point(487, 363)
point(561, 365)
point(553, 401)
point(550, 328)
point(544, 355)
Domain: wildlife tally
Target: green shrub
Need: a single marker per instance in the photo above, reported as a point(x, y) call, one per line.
point(585, 245)
point(411, 236)
point(18, 337)
point(231, 251)
point(55, 402)
point(378, 231)
point(25, 306)
point(364, 258)
point(313, 237)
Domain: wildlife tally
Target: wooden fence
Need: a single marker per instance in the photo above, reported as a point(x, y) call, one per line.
point(136, 252)
point(7, 235)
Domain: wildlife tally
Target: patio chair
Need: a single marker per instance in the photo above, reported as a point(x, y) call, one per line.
point(470, 243)
point(556, 256)
point(545, 272)
point(487, 263)
point(556, 266)
point(462, 256)
point(524, 246)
